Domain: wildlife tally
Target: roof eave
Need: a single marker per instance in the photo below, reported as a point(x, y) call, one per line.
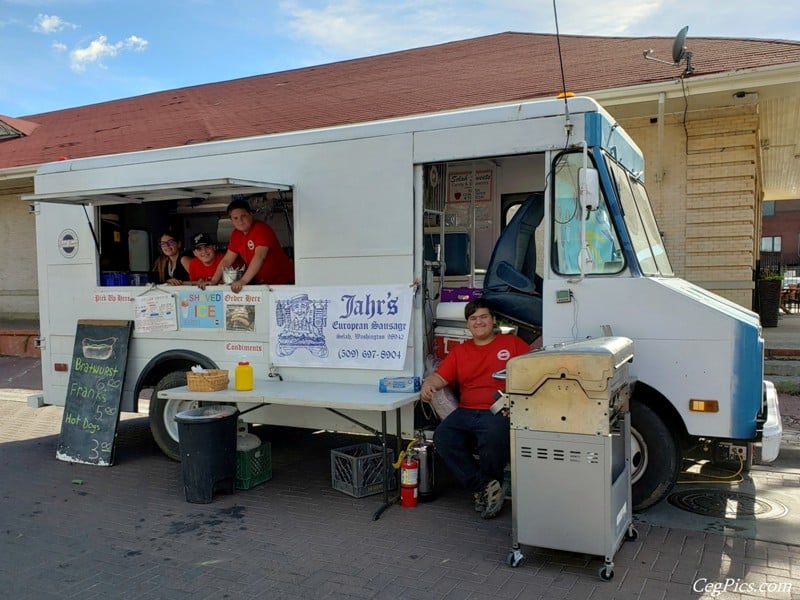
point(729, 81)
point(24, 172)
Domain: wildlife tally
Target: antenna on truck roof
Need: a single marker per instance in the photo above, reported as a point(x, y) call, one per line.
point(564, 94)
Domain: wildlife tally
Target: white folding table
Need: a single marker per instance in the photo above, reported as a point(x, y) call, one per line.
point(335, 397)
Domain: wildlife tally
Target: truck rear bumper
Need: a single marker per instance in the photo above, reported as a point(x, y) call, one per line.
point(772, 430)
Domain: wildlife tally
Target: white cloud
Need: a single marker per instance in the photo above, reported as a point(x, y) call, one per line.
point(99, 49)
point(135, 43)
point(51, 24)
point(59, 47)
point(338, 29)
point(363, 27)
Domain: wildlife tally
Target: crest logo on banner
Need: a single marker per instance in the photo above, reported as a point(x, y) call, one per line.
point(302, 321)
point(357, 327)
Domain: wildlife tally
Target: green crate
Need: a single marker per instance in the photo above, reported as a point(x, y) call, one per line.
point(253, 467)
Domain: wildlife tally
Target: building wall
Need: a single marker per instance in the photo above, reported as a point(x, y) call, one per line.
point(18, 279)
point(707, 200)
point(667, 190)
point(785, 223)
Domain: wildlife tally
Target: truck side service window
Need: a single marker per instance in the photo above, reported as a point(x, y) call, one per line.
point(601, 237)
point(129, 234)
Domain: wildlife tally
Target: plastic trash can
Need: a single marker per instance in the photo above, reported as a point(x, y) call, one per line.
point(207, 438)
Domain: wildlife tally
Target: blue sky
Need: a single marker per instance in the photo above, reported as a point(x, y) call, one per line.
point(67, 53)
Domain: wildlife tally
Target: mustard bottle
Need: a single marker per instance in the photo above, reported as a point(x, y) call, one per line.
point(243, 376)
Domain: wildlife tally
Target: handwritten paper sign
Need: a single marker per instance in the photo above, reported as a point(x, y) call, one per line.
point(346, 327)
point(155, 312)
point(91, 409)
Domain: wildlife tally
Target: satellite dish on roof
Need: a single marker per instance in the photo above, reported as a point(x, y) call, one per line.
point(679, 52)
point(679, 46)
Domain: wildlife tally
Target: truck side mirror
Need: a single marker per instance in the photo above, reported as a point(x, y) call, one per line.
point(589, 187)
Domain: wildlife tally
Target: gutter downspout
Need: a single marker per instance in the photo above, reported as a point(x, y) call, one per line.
point(659, 175)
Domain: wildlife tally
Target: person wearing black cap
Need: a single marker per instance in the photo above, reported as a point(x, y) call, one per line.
point(205, 261)
point(256, 243)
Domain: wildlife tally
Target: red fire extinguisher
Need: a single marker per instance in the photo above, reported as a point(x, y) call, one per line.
point(409, 474)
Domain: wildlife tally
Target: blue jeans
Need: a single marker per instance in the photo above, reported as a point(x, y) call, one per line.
point(466, 432)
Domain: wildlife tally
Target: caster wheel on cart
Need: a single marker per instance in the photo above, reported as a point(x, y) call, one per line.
point(514, 558)
point(632, 534)
point(606, 573)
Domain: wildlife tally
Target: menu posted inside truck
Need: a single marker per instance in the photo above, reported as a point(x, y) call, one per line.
point(91, 409)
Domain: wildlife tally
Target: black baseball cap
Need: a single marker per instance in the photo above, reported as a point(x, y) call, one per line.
point(200, 239)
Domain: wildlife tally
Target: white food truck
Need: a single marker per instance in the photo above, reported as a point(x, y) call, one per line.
point(538, 205)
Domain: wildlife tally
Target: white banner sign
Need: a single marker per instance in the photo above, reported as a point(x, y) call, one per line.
point(348, 327)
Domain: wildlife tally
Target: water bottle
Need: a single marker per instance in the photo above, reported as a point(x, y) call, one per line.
point(243, 376)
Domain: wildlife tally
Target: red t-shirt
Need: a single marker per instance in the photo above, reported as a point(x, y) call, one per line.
point(197, 270)
point(277, 267)
point(471, 366)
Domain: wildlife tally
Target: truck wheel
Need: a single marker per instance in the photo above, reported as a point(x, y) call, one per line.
point(162, 414)
point(655, 457)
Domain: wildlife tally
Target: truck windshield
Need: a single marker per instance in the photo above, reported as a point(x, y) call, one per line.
point(602, 243)
point(641, 223)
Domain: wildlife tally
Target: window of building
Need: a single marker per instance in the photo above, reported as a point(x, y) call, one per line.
point(771, 243)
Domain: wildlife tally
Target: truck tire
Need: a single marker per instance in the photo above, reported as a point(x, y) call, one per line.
point(655, 457)
point(162, 414)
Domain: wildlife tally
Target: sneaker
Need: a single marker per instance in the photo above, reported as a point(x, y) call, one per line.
point(480, 503)
point(493, 498)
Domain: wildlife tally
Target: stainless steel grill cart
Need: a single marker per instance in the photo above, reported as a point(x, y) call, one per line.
point(571, 448)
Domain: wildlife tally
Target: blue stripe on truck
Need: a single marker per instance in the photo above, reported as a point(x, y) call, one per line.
point(748, 372)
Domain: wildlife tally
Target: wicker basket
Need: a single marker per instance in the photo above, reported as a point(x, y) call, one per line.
point(212, 380)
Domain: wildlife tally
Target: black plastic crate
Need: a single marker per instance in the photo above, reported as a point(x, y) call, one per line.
point(358, 470)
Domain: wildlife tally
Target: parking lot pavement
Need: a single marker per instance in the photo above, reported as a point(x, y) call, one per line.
point(126, 531)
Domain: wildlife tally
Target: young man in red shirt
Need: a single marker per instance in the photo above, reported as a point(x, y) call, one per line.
point(472, 427)
point(256, 243)
point(206, 260)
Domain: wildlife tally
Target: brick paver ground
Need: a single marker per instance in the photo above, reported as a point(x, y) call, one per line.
point(126, 531)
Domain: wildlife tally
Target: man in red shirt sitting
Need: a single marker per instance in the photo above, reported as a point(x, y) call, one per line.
point(472, 427)
point(256, 243)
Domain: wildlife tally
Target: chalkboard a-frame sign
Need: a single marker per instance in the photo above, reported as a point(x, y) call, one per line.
point(91, 410)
